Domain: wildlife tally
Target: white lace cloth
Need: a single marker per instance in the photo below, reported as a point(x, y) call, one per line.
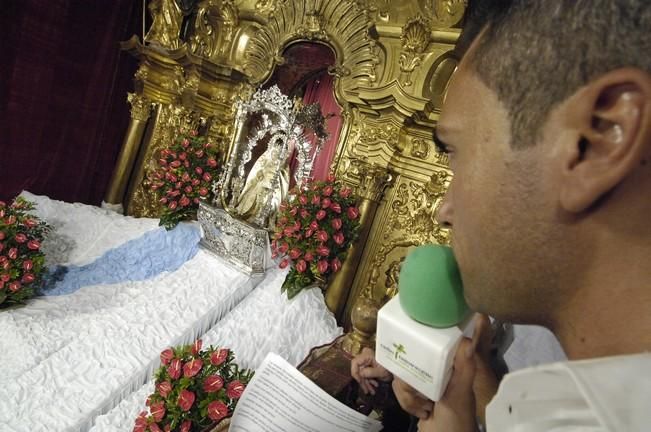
point(67, 359)
point(264, 322)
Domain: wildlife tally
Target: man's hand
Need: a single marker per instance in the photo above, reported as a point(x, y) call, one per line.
point(471, 387)
point(411, 400)
point(367, 372)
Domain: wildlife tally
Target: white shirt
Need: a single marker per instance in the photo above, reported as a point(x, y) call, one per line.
point(610, 394)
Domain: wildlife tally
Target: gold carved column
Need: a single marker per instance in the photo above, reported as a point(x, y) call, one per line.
point(373, 181)
point(140, 111)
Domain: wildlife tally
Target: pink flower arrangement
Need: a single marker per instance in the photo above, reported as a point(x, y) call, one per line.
point(21, 258)
point(195, 389)
point(183, 177)
point(315, 226)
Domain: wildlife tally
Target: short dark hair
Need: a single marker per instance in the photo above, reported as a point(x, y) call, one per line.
point(536, 53)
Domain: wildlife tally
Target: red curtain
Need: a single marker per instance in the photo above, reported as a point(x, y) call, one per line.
point(321, 90)
point(63, 85)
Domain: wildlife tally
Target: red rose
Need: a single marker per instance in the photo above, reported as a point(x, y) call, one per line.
point(316, 200)
point(192, 368)
point(163, 200)
point(6, 265)
point(196, 346)
point(141, 420)
point(212, 163)
point(195, 182)
point(164, 388)
point(2, 213)
point(335, 264)
point(166, 356)
point(186, 164)
point(185, 142)
point(186, 399)
point(327, 191)
point(158, 411)
point(305, 214)
point(185, 177)
point(352, 212)
point(294, 253)
point(186, 425)
point(199, 153)
point(301, 266)
point(309, 257)
point(322, 236)
point(345, 192)
point(331, 178)
point(213, 383)
point(162, 162)
point(314, 225)
point(28, 278)
point(174, 369)
point(184, 201)
point(30, 223)
point(336, 224)
point(194, 133)
point(297, 225)
point(218, 357)
point(10, 220)
point(195, 200)
point(302, 199)
point(155, 428)
point(13, 253)
point(207, 177)
point(283, 264)
point(323, 251)
point(217, 410)
point(188, 189)
point(172, 205)
point(178, 185)
point(235, 389)
point(320, 214)
point(2, 235)
point(203, 191)
point(309, 233)
point(336, 207)
point(175, 164)
point(326, 203)
point(183, 156)
point(5, 277)
point(322, 266)
point(339, 238)
point(14, 286)
point(283, 248)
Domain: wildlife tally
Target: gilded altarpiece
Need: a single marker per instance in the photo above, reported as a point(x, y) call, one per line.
point(392, 67)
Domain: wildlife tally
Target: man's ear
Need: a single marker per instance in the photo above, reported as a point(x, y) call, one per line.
point(612, 115)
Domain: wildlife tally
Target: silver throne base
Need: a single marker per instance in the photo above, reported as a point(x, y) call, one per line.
point(239, 243)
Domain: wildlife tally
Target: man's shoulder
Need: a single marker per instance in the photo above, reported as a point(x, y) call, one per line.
point(611, 393)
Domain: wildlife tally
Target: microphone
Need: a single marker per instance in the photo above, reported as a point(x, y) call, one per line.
point(419, 330)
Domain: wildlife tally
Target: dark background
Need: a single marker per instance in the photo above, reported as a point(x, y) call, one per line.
point(63, 89)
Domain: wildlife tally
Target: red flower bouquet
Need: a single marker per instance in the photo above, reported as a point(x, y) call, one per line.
point(315, 226)
point(195, 390)
point(184, 175)
point(21, 258)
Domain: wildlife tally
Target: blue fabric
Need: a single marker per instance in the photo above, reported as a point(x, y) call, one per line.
point(139, 259)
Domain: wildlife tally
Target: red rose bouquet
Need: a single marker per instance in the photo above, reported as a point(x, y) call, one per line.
point(195, 390)
point(21, 258)
point(184, 175)
point(315, 226)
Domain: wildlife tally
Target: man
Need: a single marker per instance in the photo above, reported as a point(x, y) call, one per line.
point(547, 123)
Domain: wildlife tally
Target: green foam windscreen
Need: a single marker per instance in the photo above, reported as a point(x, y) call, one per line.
point(430, 287)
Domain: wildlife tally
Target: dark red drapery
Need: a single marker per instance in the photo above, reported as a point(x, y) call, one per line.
point(63, 84)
